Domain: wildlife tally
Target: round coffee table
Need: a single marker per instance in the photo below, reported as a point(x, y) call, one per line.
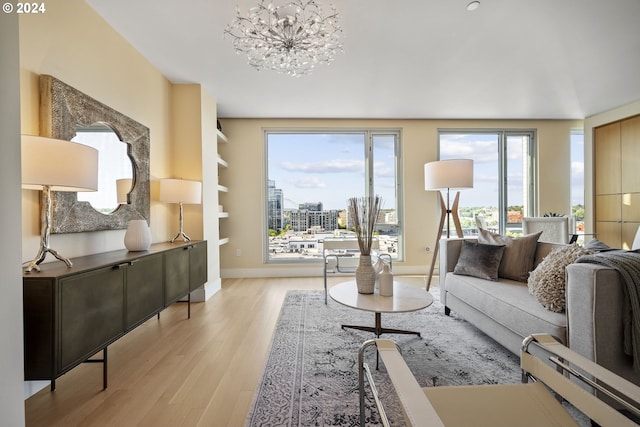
point(405, 298)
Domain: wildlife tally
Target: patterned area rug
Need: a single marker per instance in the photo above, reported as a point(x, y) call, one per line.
point(311, 375)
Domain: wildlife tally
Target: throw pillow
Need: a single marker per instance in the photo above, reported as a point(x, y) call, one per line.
point(547, 281)
point(519, 253)
point(597, 246)
point(479, 260)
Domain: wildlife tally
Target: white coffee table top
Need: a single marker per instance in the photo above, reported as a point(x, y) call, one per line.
point(405, 298)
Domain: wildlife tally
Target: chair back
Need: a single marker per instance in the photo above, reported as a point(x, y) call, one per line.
point(555, 229)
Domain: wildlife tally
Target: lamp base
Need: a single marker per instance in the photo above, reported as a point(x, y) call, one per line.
point(181, 235)
point(34, 264)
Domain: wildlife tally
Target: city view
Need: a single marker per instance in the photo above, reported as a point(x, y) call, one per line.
point(300, 233)
point(312, 175)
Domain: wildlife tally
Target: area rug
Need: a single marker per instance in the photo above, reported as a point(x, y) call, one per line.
point(311, 375)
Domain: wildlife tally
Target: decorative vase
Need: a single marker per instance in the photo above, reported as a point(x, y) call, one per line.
point(138, 235)
point(386, 282)
point(365, 275)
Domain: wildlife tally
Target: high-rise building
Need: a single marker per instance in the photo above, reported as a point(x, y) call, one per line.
point(275, 215)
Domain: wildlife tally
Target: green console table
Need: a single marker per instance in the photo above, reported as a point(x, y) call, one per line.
point(71, 314)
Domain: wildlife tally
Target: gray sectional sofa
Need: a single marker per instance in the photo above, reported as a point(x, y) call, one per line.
point(592, 324)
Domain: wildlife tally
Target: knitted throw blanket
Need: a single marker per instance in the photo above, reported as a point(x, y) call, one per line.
point(627, 263)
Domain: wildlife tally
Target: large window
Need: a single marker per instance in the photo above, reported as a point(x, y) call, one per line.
point(504, 178)
point(577, 180)
point(310, 178)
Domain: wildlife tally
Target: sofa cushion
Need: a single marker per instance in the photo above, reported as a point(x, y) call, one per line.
point(518, 258)
point(508, 302)
point(479, 260)
point(547, 281)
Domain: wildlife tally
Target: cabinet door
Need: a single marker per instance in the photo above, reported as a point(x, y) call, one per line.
point(91, 314)
point(630, 148)
point(607, 159)
point(197, 265)
point(38, 312)
point(145, 295)
point(176, 276)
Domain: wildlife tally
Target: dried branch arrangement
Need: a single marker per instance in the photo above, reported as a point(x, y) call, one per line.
point(363, 212)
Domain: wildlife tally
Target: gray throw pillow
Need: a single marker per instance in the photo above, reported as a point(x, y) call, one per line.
point(597, 246)
point(519, 253)
point(479, 260)
point(547, 281)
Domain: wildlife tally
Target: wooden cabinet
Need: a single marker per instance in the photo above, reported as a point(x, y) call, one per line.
point(70, 314)
point(617, 182)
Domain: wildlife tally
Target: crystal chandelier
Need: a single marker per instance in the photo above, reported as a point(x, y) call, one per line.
point(290, 38)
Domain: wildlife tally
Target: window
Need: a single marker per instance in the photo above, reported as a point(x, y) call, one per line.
point(577, 179)
point(310, 177)
point(503, 176)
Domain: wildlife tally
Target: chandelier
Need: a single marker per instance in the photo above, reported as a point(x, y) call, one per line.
point(291, 38)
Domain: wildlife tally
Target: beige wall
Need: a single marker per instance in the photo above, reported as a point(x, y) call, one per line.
point(420, 145)
point(74, 44)
point(193, 157)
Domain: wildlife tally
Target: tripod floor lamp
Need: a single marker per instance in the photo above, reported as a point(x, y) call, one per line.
point(447, 175)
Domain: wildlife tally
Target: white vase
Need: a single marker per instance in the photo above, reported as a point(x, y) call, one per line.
point(365, 275)
point(386, 282)
point(138, 235)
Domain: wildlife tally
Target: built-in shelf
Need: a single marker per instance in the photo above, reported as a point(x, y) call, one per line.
point(221, 136)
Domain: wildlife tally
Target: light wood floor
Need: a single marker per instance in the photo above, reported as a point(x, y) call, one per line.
point(176, 371)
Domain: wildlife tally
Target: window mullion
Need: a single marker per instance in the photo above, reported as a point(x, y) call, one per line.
point(368, 169)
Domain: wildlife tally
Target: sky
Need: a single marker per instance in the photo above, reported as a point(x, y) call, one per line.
point(330, 167)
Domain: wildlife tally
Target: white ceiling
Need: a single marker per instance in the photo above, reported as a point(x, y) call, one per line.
point(548, 59)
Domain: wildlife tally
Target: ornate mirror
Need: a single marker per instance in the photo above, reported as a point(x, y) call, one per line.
point(67, 113)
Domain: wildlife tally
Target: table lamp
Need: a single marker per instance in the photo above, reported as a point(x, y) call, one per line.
point(123, 187)
point(55, 165)
point(180, 191)
point(441, 175)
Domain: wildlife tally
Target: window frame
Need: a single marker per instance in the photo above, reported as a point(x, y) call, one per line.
point(369, 184)
point(531, 167)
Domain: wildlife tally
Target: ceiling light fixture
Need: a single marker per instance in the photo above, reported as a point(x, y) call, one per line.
point(291, 38)
point(473, 6)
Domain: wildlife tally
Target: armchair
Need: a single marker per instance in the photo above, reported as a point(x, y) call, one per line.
point(555, 229)
point(527, 404)
point(341, 256)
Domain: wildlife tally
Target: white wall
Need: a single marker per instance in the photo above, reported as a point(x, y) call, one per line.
point(11, 359)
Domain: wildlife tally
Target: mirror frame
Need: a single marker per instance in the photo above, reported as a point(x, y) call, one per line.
point(62, 109)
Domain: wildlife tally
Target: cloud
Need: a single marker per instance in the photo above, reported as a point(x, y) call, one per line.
point(307, 182)
point(329, 166)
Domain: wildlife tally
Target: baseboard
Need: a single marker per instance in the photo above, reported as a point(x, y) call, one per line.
point(206, 291)
point(32, 387)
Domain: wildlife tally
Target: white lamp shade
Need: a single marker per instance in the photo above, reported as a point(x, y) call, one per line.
point(180, 191)
point(62, 165)
point(443, 174)
point(123, 187)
